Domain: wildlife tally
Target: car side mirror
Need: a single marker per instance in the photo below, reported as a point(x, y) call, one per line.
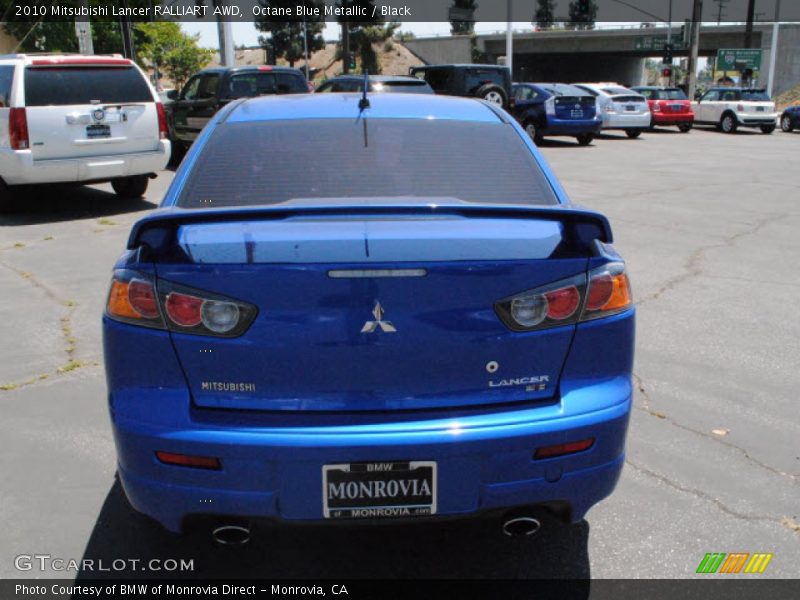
point(172, 94)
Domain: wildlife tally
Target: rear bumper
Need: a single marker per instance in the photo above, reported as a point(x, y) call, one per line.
point(571, 127)
point(749, 120)
point(17, 167)
point(483, 463)
point(626, 121)
point(660, 118)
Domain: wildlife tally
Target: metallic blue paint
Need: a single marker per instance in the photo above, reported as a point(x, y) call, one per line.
point(328, 393)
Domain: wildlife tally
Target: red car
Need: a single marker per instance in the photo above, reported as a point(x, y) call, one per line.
point(669, 106)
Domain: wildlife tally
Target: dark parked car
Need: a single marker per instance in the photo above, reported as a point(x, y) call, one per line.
point(488, 82)
point(546, 109)
point(211, 89)
point(377, 83)
point(790, 119)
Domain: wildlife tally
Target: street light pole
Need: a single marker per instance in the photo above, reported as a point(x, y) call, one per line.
point(694, 43)
point(509, 40)
point(773, 49)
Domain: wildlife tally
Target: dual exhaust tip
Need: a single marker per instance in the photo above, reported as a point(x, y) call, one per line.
point(239, 535)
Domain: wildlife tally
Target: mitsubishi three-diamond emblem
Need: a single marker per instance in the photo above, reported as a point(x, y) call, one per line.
point(372, 326)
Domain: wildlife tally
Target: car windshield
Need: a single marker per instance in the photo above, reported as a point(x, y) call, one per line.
point(563, 90)
point(676, 94)
point(61, 86)
point(267, 162)
point(755, 96)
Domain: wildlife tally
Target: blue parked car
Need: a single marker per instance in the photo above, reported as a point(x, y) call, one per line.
point(367, 312)
point(556, 109)
point(790, 119)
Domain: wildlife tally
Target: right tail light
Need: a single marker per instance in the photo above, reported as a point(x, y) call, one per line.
point(18, 129)
point(603, 292)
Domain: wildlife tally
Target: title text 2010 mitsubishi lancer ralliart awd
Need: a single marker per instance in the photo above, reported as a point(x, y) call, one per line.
point(350, 309)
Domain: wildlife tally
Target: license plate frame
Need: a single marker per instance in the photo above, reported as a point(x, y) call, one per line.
point(370, 503)
point(98, 131)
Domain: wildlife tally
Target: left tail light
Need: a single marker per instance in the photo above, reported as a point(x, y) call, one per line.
point(18, 129)
point(602, 292)
point(137, 299)
point(163, 128)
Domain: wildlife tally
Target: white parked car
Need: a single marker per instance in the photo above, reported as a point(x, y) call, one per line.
point(79, 119)
point(729, 108)
point(620, 107)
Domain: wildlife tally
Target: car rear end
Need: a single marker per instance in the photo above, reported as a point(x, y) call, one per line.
point(411, 330)
point(670, 106)
point(82, 119)
point(625, 109)
point(755, 109)
point(570, 111)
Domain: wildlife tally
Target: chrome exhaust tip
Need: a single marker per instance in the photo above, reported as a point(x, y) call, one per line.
point(231, 535)
point(521, 526)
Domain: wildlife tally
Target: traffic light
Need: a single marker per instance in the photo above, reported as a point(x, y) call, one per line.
point(666, 72)
point(351, 61)
point(668, 50)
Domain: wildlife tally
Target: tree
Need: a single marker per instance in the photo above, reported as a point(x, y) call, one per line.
point(582, 13)
point(166, 47)
point(286, 37)
point(463, 27)
point(545, 13)
point(59, 36)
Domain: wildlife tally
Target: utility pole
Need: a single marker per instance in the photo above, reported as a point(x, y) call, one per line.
point(227, 54)
point(509, 39)
point(694, 46)
point(748, 29)
point(83, 31)
point(305, 44)
point(773, 50)
point(125, 29)
point(345, 47)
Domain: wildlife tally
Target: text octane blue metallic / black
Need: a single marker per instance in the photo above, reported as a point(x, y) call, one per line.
point(344, 312)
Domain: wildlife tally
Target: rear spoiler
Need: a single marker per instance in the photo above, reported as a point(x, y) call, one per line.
point(157, 231)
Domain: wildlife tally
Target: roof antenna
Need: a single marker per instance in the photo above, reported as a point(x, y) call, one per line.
point(364, 102)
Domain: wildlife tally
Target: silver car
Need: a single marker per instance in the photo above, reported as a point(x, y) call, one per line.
point(620, 107)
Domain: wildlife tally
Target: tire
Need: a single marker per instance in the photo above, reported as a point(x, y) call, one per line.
point(585, 139)
point(786, 124)
point(131, 188)
point(493, 94)
point(685, 127)
point(6, 199)
point(728, 123)
point(633, 133)
point(767, 129)
point(533, 132)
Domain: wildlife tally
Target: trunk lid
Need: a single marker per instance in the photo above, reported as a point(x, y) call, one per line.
point(631, 104)
point(86, 110)
point(373, 312)
point(575, 107)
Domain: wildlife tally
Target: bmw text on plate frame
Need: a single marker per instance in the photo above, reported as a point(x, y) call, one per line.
point(405, 331)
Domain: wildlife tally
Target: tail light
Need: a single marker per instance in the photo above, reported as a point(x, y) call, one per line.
point(603, 292)
point(137, 299)
point(163, 128)
point(188, 460)
point(656, 107)
point(18, 129)
point(310, 87)
point(550, 106)
point(609, 108)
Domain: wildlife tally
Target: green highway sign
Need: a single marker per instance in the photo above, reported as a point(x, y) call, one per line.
point(656, 43)
point(736, 59)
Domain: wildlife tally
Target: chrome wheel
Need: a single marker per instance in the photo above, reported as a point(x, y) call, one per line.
point(494, 98)
point(728, 124)
point(530, 129)
point(786, 123)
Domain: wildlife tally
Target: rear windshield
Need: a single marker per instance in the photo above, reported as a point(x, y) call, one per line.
point(373, 158)
point(256, 84)
point(6, 77)
point(48, 86)
point(755, 96)
point(400, 87)
point(616, 91)
point(675, 94)
point(560, 89)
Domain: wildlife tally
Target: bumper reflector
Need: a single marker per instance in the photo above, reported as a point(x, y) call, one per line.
point(562, 449)
point(186, 460)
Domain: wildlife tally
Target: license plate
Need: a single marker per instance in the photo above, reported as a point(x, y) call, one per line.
point(379, 490)
point(630, 107)
point(759, 109)
point(675, 107)
point(576, 114)
point(98, 131)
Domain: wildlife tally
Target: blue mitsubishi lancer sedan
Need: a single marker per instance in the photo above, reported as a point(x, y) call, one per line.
point(355, 308)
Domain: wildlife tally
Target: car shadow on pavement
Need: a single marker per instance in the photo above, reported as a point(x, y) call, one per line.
point(57, 203)
point(458, 549)
point(557, 143)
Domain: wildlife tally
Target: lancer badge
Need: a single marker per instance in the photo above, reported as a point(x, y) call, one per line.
point(372, 326)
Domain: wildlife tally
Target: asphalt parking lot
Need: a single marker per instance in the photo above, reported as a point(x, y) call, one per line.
point(708, 224)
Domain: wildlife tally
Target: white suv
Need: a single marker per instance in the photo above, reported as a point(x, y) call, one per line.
point(730, 108)
point(81, 119)
point(620, 107)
